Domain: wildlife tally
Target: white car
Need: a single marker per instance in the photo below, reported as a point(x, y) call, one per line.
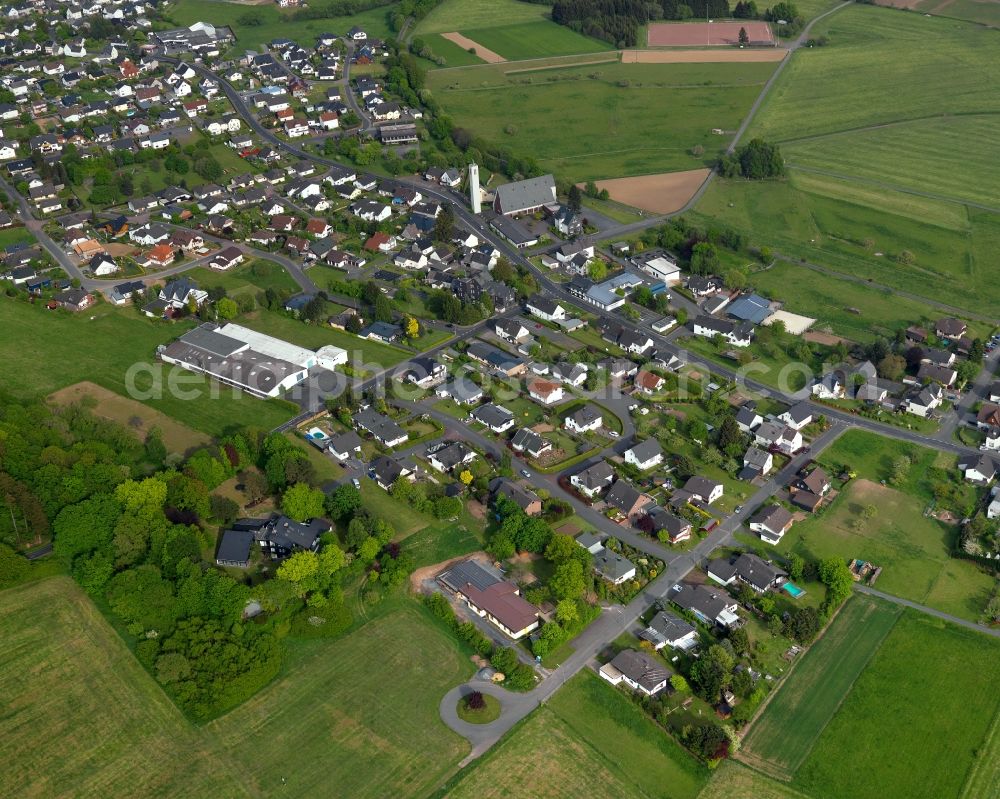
point(612, 434)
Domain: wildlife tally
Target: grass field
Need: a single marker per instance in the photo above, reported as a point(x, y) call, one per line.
point(462, 15)
point(827, 299)
point(101, 345)
point(453, 55)
point(592, 742)
point(248, 278)
point(732, 780)
point(334, 718)
point(276, 22)
point(914, 721)
point(785, 733)
point(628, 119)
point(985, 12)
point(100, 726)
point(537, 39)
point(896, 171)
point(83, 718)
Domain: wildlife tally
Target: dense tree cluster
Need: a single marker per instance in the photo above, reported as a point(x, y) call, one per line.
point(619, 21)
point(755, 160)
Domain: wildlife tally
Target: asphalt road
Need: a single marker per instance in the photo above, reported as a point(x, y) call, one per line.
point(971, 625)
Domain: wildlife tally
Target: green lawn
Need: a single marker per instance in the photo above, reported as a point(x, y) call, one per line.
point(373, 354)
point(982, 11)
point(103, 344)
point(256, 275)
point(276, 22)
point(461, 15)
point(334, 718)
point(15, 235)
point(733, 780)
point(538, 39)
point(828, 299)
point(628, 119)
point(592, 742)
point(887, 132)
point(784, 734)
point(916, 720)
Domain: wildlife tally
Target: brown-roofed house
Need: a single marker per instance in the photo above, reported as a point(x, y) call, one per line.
point(648, 382)
point(317, 227)
point(161, 255)
point(951, 329)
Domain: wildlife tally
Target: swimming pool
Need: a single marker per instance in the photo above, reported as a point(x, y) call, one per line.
point(793, 590)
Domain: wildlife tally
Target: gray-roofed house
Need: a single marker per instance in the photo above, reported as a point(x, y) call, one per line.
point(798, 416)
point(710, 605)
point(702, 488)
point(234, 548)
point(526, 500)
point(448, 457)
point(461, 390)
point(594, 479)
point(669, 629)
point(659, 521)
point(644, 455)
point(345, 445)
point(771, 523)
point(628, 499)
point(584, 420)
point(749, 569)
point(496, 417)
point(639, 670)
point(591, 542)
point(613, 567)
point(750, 308)
point(527, 440)
point(380, 427)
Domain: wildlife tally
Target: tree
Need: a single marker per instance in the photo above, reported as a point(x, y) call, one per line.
point(412, 327)
point(803, 625)
point(597, 270)
point(342, 502)
point(566, 612)
point(475, 701)
point(301, 502)
point(731, 438)
point(299, 567)
point(892, 367)
point(574, 200)
point(704, 258)
point(837, 577)
point(466, 477)
point(227, 308)
point(712, 672)
point(679, 684)
point(444, 224)
point(740, 641)
point(796, 566)
point(369, 549)
point(744, 38)
point(568, 581)
point(86, 526)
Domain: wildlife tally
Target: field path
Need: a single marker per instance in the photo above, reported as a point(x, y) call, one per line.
point(466, 44)
point(701, 56)
point(971, 625)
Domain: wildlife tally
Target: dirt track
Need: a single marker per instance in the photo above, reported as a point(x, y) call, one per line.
point(701, 56)
point(482, 52)
point(661, 194)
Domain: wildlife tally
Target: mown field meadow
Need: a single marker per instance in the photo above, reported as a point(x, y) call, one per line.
point(626, 119)
point(101, 726)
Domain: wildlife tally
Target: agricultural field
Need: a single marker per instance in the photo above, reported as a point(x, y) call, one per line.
point(593, 742)
point(732, 780)
point(538, 39)
point(463, 15)
point(101, 345)
point(318, 725)
point(869, 180)
point(83, 718)
point(927, 699)
point(814, 689)
point(628, 119)
point(275, 22)
point(830, 300)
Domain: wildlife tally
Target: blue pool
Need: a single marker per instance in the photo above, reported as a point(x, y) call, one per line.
point(793, 590)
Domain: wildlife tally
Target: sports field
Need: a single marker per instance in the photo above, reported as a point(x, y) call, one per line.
point(886, 131)
point(627, 119)
point(917, 721)
point(588, 740)
point(82, 718)
point(784, 734)
point(707, 34)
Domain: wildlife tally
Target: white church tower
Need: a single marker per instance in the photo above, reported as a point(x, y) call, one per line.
point(474, 195)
